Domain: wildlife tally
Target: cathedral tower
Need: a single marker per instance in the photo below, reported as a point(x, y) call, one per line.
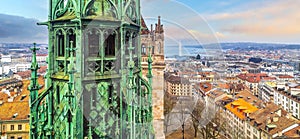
point(153, 45)
point(94, 85)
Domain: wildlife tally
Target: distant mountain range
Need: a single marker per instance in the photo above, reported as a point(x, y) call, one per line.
point(258, 46)
point(246, 46)
point(242, 46)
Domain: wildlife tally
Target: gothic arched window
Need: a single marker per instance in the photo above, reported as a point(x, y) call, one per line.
point(135, 43)
point(71, 38)
point(159, 48)
point(127, 43)
point(110, 44)
point(93, 43)
point(60, 44)
point(144, 49)
point(153, 51)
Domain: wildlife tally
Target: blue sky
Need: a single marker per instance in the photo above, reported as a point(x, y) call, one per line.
point(186, 21)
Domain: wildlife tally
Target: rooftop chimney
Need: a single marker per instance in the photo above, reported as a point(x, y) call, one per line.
point(275, 119)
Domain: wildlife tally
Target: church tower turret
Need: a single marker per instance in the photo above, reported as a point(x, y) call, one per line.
point(94, 73)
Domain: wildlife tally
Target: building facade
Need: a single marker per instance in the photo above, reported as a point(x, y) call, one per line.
point(178, 86)
point(269, 122)
point(236, 114)
point(288, 98)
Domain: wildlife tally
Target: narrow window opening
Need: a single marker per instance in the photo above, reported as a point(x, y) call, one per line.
point(93, 44)
point(153, 50)
point(61, 45)
point(94, 96)
point(110, 93)
point(58, 94)
point(72, 38)
point(110, 45)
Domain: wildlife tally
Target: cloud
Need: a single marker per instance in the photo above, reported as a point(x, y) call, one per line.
point(262, 19)
point(220, 35)
point(20, 29)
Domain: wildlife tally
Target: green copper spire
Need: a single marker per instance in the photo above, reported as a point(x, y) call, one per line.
point(33, 88)
point(150, 61)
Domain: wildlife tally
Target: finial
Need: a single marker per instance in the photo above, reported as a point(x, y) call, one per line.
point(151, 28)
point(159, 23)
point(34, 49)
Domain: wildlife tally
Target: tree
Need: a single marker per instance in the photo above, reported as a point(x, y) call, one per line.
point(208, 122)
point(195, 114)
point(168, 106)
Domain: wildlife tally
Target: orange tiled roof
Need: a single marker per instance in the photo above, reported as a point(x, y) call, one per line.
point(24, 74)
point(224, 85)
point(293, 133)
point(268, 78)
point(26, 83)
point(253, 78)
point(239, 107)
point(3, 97)
point(205, 86)
point(216, 93)
point(249, 97)
point(285, 76)
point(8, 109)
point(42, 69)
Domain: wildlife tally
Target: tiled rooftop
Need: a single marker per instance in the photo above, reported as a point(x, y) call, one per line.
point(250, 98)
point(19, 109)
point(239, 107)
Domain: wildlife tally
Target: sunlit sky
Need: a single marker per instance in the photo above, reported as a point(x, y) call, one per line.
point(273, 21)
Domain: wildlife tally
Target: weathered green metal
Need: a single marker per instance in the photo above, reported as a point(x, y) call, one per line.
point(104, 98)
point(33, 88)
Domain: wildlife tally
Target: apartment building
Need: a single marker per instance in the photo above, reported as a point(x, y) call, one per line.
point(269, 122)
point(288, 97)
point(251, 81)
point(177, 86)
point(236, 114)
point(266, 91)
point(14, 120)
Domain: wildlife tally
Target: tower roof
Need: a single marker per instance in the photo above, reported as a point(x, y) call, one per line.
point(145, 29)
